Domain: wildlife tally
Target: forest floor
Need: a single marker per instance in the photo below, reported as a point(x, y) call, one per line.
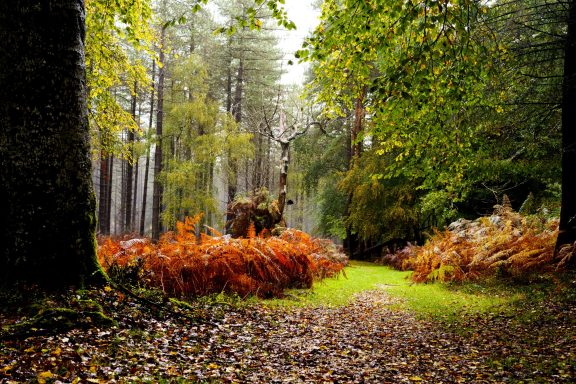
point(371, 339)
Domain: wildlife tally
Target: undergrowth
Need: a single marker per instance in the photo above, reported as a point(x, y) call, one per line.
point(185, 265)
point(505, 244)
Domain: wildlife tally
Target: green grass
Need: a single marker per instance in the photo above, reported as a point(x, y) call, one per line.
point(359, 276)
point(437, 300)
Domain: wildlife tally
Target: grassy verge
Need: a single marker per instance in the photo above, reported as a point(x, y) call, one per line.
point(443, 301)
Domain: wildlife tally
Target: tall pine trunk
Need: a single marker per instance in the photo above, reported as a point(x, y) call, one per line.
point(135, 197)
point(147, 166)
point(48, 219)
point(145, 194)
point(236, 110)
point(104, 201)
point(157, 192)
point(108, 217)
point(128, 226)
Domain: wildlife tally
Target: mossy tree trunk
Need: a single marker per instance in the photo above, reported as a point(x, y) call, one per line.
point(47, 202)
point(567, 234)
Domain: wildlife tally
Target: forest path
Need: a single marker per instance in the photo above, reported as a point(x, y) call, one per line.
point(366, 341)
point(372, 340)
point(369, 340)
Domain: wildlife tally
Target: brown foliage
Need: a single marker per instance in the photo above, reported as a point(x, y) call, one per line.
point(258, 210)
point(183, 265)
point(505, 243)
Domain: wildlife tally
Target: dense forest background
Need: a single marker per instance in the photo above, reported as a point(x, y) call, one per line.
point(412, 114)
point(447, 124)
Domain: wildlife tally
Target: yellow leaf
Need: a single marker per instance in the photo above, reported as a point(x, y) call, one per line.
point(57, 351)
point(43, 376)
point(7, 368)
point(212, 366)
point(107, 288)
point(416, 378)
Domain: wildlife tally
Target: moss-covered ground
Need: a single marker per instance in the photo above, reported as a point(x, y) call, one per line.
point(433, 299)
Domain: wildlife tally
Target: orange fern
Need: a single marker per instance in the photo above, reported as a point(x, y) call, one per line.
point(505, 243)
point(258, 265)
point(251, 230)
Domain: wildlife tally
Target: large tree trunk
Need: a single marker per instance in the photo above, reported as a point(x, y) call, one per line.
point(567, 234)
point(47, 202)
point(157, 191)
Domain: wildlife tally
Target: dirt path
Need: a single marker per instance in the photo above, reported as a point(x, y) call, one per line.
point(364, 342)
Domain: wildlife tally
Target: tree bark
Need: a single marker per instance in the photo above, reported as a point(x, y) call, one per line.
point(147, 166)
point(285, 160)
point(567, 228)
point(108, 220)
point(120, 222)
point(104, 201)
point(236, 110)
point(157, 192)
point(359, 112)
point(258, 160)
point(48, 220)
point(135, 196)
point(145, 194)
point(351, 242)
point(128, 226)
point(229, 85)
point(285, 146)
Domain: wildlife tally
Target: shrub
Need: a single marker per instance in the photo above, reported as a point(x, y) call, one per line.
point(184, 265)
point(505, 243)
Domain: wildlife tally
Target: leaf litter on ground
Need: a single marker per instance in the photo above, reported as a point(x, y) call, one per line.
point(369, 340)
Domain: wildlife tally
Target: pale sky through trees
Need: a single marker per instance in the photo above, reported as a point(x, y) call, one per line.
point(305, 16)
